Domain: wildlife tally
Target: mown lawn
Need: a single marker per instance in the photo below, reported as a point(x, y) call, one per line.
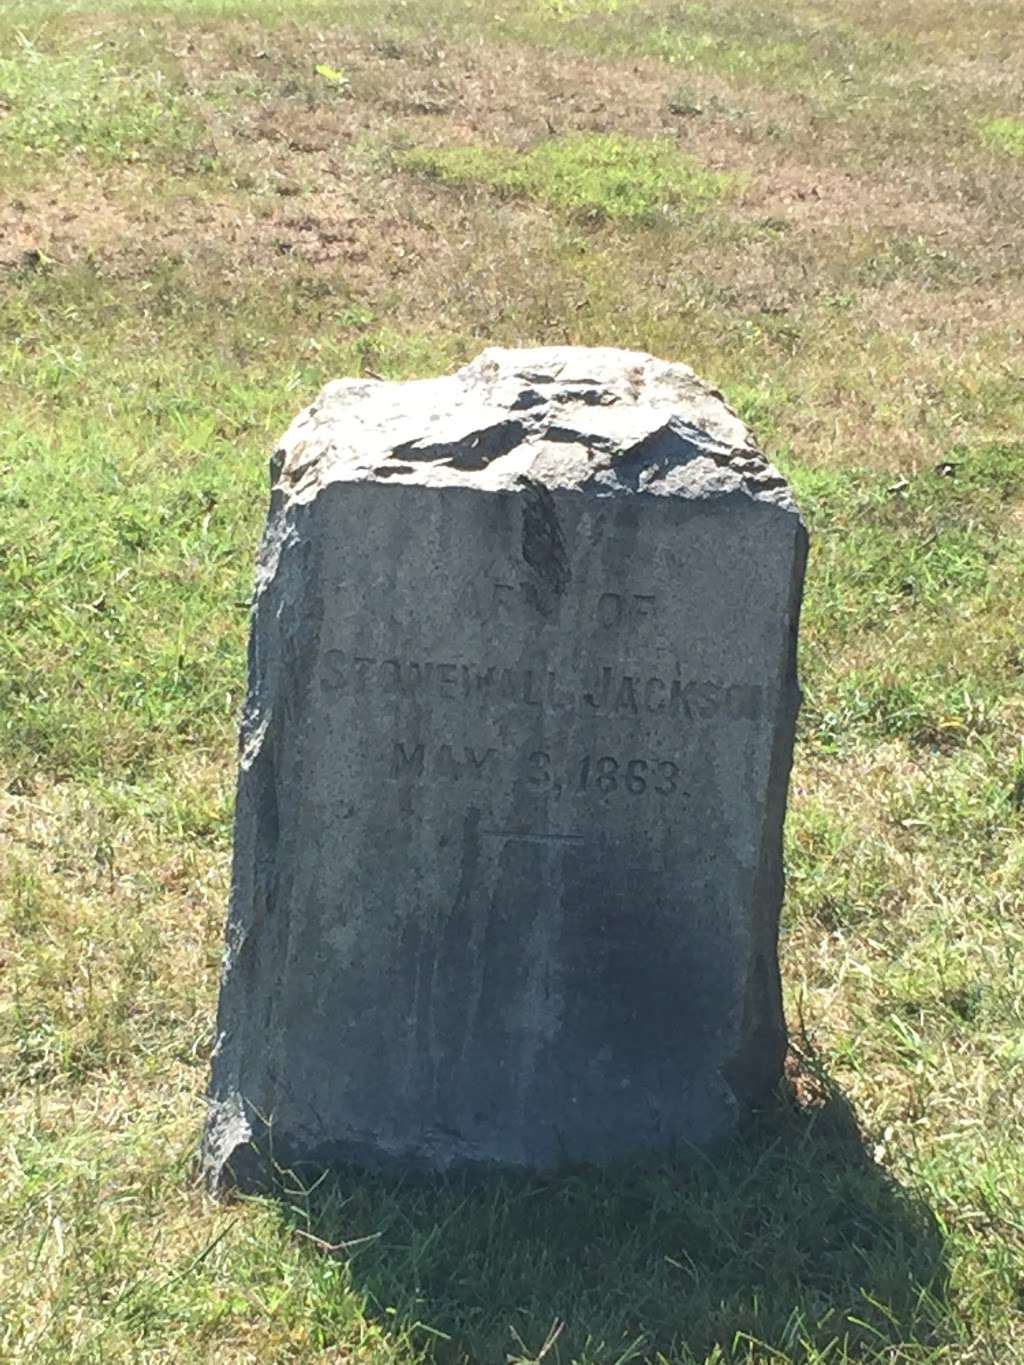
point(210, 207)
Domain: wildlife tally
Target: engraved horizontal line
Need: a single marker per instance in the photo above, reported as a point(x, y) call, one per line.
point(533, 837)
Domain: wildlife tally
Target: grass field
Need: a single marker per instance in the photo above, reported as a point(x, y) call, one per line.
point(209, 207)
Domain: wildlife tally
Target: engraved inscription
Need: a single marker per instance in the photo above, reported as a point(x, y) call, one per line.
point(448, 762)
point(507, 602)
point(495, 687)
point(604, 774)
point(616, 609)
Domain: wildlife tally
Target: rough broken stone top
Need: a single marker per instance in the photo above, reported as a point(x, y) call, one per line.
point(601, 421)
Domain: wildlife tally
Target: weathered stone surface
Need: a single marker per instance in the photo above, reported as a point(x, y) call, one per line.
point(513, 773)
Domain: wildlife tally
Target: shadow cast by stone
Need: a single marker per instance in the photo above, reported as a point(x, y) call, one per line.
point(790, 1239)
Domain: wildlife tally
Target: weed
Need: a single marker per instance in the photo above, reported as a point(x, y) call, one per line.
point(333, 76)
point(1004, 134)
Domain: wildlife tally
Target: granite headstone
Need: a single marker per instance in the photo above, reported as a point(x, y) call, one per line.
point(514, 762)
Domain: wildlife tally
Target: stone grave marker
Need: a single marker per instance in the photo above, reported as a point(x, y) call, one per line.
point(514, 761)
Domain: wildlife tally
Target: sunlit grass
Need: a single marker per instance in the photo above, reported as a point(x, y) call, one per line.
point(76, 104)
point(599, 177)
point(1004, 134)
point(799, 205)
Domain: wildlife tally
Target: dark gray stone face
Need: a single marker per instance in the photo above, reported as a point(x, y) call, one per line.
point(514, 765)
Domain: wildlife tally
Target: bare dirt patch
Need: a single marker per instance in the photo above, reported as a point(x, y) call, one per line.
point(295, 177)
point(113, 221)
point(63, 221)
point(819, 195)
point(957, 314)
